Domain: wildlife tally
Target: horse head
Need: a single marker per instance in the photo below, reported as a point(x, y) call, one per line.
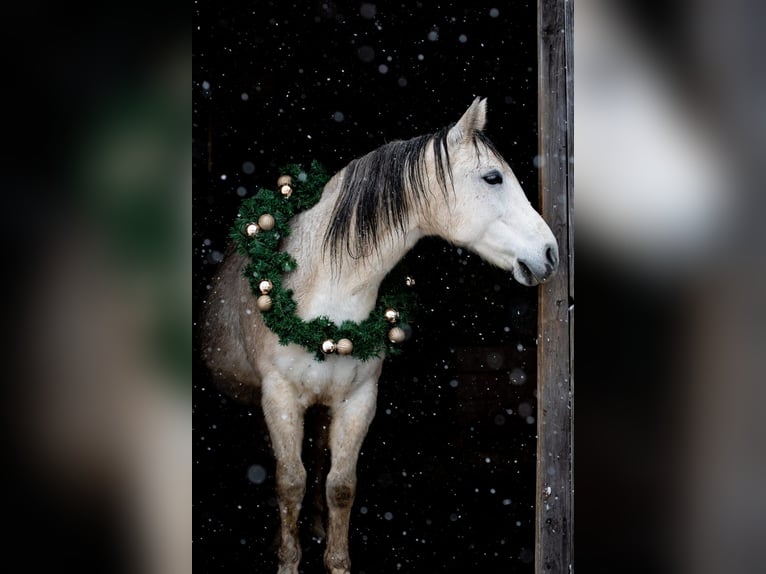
point(486, 209)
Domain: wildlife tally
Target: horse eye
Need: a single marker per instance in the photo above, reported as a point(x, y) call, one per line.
point(493, 178)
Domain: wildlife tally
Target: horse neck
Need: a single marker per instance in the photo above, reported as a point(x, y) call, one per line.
point(345, 289)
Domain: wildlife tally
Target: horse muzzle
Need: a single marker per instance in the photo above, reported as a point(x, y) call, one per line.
point(539, 271)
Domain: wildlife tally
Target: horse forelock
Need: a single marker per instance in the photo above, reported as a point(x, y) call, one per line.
point(482, 138)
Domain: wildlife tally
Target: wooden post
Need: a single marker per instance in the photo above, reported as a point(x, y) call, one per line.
point(555, 384)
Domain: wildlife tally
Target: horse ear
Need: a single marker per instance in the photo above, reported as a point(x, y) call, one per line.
point(473, 120)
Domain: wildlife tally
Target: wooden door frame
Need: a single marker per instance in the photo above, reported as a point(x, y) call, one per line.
point(555, 359)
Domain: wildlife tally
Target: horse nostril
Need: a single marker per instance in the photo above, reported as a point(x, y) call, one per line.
point(551, 254)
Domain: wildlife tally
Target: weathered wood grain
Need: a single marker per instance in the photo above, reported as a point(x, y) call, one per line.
point(555, 385)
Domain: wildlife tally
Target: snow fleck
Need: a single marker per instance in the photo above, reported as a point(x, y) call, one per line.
point(383, 69)
point(402, 81)
point(506, 502)
point(223, 177)
point(366, 54)
point(302, 176)
point(338, 116)
point(517, 376)
point(433, 35)
point(205, 85)
point(421, 57)
point(462, 38)
point(241, 191)
point(453, 383)
point(388, 516)
point(368, 11)
point(245, 96)
point(248, 167)
point(494, 360)
point(494, 13)
point(256, 474)
point(363, 510)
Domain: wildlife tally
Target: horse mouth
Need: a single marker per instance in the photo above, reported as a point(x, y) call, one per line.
point(523, 274)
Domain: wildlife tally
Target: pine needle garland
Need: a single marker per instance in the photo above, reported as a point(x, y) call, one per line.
point(369, 337)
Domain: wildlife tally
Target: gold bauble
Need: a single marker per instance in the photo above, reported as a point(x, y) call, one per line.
point(285, 185)
point(396, 335)
point(252, 229)
point(328, 346)
point(265, 287)
point(264, 303)
point(266, 222)
point(344, 347)
point(391, 315)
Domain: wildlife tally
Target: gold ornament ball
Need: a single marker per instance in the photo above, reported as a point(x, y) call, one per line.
point(264, 303)
point(265, 287)
point(391, 315)
point(266, 222)
point(344, 347)
point(285, 185)
point(409, 281)
point(396, 335)
point(252, 229)
point(328, 346)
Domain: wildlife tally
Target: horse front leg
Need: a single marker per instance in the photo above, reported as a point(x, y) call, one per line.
point(284, 417)
point(350, 420)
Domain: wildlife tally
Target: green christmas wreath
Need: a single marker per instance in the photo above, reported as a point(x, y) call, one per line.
point(262, 221)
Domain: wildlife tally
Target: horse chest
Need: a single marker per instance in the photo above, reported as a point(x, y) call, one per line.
point(325, 382)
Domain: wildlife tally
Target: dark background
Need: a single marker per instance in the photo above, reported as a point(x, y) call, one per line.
point(447, 472)
point(65, 72)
